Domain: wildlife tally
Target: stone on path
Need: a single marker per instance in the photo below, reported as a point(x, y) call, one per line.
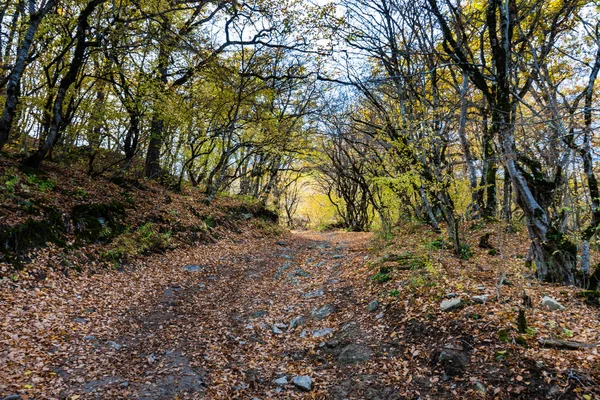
point(372, 306)
point(193, 268)
point(322, 332)
point(276, 330)
point(479, 388)
point(299, 272)
point(258, 314)
point(323, 312)
point(451, 304)
point(480, 299)
point(314, 293)
point(303, 383)
point(552, 304)
point(281, 381)
point(296, 322)
point(114, 345)
point(354, 353)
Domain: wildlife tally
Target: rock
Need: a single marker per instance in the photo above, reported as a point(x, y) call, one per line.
point(380, 315)
point(299, 272)
point(372, 306)
point(303, 383)
point(114, 345)
point(281, 325)
point(322, 332)
point(454, 360)
point(276, 330)
point(281, 270)
point(552, 304)
point(12, 397)
point(90, 337)
point(258, 314)
point(281, 381)
point(193, 268)
point(451, 295)
point(567, 344)
point(322, 312)
point(314, 293)
point(451, 304)
point(303, 334)
point(124, 384)
point(480, 299)
point(479, 388)
point(296, 322)
point(354, 353)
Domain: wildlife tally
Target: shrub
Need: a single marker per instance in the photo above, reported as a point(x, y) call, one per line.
point(381, 277)
point(465, 252)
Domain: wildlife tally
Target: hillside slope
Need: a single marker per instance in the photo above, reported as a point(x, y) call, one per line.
point(59, 220)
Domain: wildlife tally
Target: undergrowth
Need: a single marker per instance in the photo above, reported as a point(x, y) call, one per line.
point(144, 240)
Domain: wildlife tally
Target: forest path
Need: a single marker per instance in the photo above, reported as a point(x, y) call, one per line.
point(214, 322)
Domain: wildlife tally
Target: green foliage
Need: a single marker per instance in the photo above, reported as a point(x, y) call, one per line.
point(39, 183)
point(381, 277)
point(147, 239)
point(9, 182)
point(80, 193)
point(394, 293)
point(465, 252)
point(439, 244)
point(210, 221)
point(566, 332)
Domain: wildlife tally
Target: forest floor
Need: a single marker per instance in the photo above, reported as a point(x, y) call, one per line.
point(122, 289)
point(214, 321)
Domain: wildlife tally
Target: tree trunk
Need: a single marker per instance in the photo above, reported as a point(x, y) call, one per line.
point(152, 169)
point(488, 178)
point(14, 78)
point(507, 201)
point(464, 106)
